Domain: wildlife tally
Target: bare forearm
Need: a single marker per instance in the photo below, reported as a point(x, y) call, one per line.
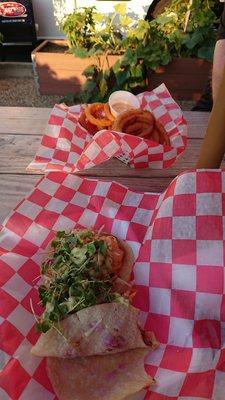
point(218, 66)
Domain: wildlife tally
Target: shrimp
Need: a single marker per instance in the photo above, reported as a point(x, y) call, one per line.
point(115, 252)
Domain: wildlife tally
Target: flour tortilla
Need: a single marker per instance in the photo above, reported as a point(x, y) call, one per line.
point(112, 377)
point(97, 330)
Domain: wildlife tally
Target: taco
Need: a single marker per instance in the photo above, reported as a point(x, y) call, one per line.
point(90, 333)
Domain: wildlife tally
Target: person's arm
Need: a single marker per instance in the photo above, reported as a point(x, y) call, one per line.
point(218, 66)
point(219, 57)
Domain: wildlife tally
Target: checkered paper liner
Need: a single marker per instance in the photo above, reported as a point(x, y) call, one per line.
point(67, 146)
point(178, 239)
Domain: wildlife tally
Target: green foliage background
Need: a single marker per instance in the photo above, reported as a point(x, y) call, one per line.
point(184, 29)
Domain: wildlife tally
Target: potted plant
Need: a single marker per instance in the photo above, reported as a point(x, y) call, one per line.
point(175, 48)
point(110, 52)
point(188, 30)
point(92, 39)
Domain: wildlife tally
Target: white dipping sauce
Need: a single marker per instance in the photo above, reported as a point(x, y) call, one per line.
point(121, 107)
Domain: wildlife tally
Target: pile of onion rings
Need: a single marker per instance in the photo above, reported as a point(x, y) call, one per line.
point(135, 122)
point(141, 123)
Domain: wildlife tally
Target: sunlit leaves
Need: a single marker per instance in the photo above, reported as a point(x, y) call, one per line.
point(165, 19)
point(120, 9)
point(125, 21)
point(98, 18)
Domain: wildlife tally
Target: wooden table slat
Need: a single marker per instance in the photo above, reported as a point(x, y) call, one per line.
point(23, 120)
point(32, 121)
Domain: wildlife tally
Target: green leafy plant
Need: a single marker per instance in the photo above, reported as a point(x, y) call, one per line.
point(79, 28)
point(90, 33)
point(111, 34)
point(184, 29)
point(189, 28)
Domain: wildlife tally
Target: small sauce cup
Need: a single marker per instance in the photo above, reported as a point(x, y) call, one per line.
point(121, 101)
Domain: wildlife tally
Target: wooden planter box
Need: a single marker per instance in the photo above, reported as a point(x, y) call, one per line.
point(185, 78)
point(58, 72)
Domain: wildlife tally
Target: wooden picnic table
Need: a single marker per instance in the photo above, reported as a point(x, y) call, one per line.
point(20, 134)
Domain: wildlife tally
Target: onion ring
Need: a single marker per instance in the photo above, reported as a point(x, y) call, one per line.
point(140, 129)
point(134, 128)
point(83, 121)
point(95, 113)
point(132, 116)
point(135, 122)
point(146, 132)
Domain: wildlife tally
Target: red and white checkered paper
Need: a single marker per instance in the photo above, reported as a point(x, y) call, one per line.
point(67, 146)
point(178, 239)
